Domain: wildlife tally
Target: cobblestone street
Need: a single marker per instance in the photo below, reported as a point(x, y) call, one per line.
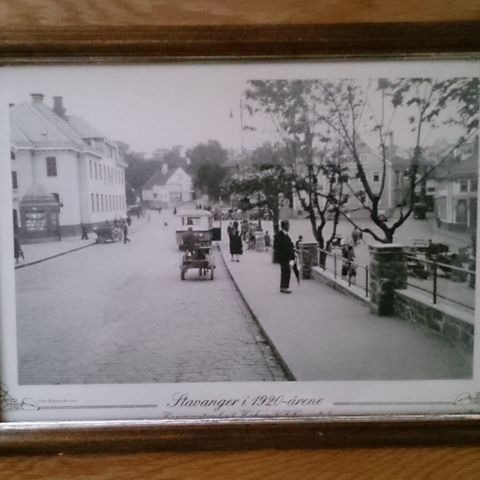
point(119, 313)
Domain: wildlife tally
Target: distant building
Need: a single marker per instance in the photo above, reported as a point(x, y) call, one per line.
point(392, 186)
point(64, 172)
point(457, 189)
point(168, 188)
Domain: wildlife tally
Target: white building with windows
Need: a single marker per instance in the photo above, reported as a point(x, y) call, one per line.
point(168, 188)
point(64, 172)
point(456, 195)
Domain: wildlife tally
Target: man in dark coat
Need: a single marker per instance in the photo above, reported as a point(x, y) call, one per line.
point(190, 241)
point(284, 253)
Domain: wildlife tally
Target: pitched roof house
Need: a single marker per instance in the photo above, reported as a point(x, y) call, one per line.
point(457, 189)
point(168, 188)
point(78, 171)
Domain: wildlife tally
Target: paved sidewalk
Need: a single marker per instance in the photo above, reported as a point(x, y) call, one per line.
point(38, 252)
point(322, 334)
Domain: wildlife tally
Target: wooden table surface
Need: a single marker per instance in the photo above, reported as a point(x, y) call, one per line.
point(391, 463)
point(31, 13)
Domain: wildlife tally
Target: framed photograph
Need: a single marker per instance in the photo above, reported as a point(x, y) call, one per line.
point(216, 240)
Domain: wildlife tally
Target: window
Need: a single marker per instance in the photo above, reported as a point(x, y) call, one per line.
point(190, 220)
point(12, 157)
point(96, 172)
point(100, 172)
point(101, 202)
point(90, 165)
point(14, 180)
point(51, 167)
point(376, 177)
point(93, 201)
point(98, 204)
point(473, 185)
point(464, 185)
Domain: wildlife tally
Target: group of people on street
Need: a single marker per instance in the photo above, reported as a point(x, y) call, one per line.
point(283, 248)
point(117, 226)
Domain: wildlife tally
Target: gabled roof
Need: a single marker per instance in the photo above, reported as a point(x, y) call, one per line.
point(83, 128)
point(455, 168)
point(35, 125)
point(160, 178)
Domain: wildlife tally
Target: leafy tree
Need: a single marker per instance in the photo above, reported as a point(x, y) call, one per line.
point(264, 183)
point(172, 157)
point(352, 109)
point(207, 164)
point(309, 148)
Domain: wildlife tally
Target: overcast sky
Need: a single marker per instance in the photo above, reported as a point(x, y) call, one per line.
point(160, 106)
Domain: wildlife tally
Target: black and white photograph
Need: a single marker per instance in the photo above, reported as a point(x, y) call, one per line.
point(239, 239)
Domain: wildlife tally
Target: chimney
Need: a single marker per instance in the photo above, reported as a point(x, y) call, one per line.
point(58, 106)
point(37, 97)
point(164, 169)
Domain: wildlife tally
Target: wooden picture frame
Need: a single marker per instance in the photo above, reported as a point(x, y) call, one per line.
point(128, 45)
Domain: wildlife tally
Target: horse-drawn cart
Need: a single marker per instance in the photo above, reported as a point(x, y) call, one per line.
point(201, 258)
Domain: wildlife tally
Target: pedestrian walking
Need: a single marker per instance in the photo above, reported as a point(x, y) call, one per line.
point(229, 229)
point(268, 240)
point(236, 245)
point(129, 220)
point(251, 238)
point(125, 233)
point(18, 252)
point(284, 254)
point(84, 232)
point(298, 242)
point(348, 255)
point(355, 236)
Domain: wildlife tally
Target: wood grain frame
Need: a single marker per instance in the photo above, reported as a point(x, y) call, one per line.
point(94, 44)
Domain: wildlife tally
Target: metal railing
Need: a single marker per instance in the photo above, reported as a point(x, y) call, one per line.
point(343, 269)
point(444, 282)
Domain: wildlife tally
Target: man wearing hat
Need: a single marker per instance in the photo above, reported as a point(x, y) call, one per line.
point(284, 253)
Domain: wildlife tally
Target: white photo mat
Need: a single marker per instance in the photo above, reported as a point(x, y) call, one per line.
point(213, 399)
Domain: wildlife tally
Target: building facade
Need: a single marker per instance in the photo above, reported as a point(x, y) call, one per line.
point(64, 172)
point(457, 190)
point(393, 188)
point(168, 188)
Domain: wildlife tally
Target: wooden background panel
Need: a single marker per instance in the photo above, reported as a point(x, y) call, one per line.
point(31, 13)
point(360, 464)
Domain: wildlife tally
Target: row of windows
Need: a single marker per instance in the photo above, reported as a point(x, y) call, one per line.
point(106, 202)
point(108, 175)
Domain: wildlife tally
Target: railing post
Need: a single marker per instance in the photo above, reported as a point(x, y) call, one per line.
point(349, 273)
point(335, 265)
point(366, 282)
point(434, 281)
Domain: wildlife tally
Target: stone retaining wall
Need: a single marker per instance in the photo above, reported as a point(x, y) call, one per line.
point(439, 318)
